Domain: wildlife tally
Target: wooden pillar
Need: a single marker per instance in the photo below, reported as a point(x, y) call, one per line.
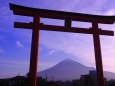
point(34, 53)
point(98, 56)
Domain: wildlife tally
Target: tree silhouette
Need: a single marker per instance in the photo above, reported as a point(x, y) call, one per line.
point(89, 81)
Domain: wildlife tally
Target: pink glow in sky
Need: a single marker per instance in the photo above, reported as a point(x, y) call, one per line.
point(54, 46)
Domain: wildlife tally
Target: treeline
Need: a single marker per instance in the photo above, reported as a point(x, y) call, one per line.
point(23, 81)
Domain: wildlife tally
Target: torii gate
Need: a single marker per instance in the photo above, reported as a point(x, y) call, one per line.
point(36, 26)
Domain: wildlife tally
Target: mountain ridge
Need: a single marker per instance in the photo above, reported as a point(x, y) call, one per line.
point(68, 70)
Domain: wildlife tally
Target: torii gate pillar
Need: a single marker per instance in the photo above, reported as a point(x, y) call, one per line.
point(34, 53)
point(98, 57)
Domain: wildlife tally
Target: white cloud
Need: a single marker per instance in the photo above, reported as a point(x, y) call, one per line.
point(80, 46)
point(6, 15)
point(110, 12)
point(75, 44)
point(19, 44)
point(51, 52)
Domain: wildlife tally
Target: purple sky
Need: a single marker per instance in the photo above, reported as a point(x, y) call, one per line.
point(15, 43)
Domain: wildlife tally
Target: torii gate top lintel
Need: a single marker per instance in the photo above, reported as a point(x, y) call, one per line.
point(28, 11)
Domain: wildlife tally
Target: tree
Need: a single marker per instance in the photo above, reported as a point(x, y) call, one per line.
point(75, 83)
point(41, 81)
point(89, 81)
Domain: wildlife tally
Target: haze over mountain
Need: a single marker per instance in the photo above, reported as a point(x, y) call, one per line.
point(69, 70)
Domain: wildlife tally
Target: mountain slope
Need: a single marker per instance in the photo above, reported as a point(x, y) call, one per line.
point(69, 70)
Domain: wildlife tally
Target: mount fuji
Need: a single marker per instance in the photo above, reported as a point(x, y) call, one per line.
point(68, 70)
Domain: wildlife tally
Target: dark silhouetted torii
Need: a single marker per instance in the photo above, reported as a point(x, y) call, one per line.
point(36, 26)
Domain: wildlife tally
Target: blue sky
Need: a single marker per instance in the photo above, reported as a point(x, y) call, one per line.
point(15, 43)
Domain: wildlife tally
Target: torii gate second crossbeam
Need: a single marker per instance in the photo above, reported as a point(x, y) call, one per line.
point(68, 17)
